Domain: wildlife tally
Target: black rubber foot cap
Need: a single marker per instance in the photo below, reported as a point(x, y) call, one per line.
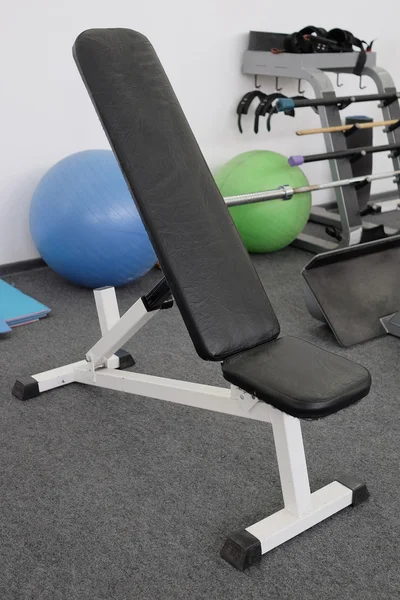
point(126, 360)
point(242, 550)
point(26, 388)
point(359, 489)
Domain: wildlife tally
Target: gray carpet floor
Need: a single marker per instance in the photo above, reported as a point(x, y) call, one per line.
point(106, 496)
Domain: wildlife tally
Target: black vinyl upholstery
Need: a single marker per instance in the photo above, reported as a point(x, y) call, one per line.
point(298, 378)
point(212, 279)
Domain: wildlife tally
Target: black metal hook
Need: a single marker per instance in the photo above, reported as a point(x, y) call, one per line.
point(299, 90)
point(362, 87)
point(256, 82)
point(337, 80)
point(393, 127)
point(352, 130)
point(278, 89)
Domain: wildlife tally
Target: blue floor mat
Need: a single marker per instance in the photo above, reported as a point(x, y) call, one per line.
point(4, 328)
point(16, 308)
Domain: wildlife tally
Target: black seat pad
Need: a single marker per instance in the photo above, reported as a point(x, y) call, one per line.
point(298, 378)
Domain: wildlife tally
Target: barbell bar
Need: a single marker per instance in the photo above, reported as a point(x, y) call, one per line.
point(286, 192)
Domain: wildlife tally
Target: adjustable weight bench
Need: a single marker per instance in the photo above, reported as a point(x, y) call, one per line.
point(209, 275)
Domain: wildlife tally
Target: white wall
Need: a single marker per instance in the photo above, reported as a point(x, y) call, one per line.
point(46, 113)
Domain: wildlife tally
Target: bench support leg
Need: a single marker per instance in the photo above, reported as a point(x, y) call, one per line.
point(301, 509)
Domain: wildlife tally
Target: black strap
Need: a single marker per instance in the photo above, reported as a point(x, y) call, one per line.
point(346, 42)
point(315, 39)
point(245, 103)
point(360, 64)
point(271, 112)
point(300, 42)
point(264, 107)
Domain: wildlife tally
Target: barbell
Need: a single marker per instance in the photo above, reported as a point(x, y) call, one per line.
point(286, 192)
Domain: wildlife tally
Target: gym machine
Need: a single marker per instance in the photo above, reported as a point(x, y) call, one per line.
point(345, 213)
point(356, 290)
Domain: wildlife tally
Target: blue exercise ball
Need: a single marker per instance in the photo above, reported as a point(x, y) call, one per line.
point(85, 224)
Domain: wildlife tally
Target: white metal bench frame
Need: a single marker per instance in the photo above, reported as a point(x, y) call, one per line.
point(302, 509)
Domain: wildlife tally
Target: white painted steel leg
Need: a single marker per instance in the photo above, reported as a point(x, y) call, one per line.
point(284, 525)
point(208, 397)
point(107, 308)
point(172, 390)
point(291, 462)
point(107, 312)
point(120, 333)
point(302, 509)
point(60, 376)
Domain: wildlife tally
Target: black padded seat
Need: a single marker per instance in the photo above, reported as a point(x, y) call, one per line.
point(298, 378)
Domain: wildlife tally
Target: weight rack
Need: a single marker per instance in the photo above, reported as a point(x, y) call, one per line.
point(312, 68)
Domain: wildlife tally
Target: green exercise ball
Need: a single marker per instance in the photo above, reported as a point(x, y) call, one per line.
point(272, 225)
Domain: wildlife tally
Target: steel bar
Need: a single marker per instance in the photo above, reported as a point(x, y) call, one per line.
point(284, 104)
point(286, 192)
point(296, 161)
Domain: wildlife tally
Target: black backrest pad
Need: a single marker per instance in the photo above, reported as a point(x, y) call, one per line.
point(206, 265)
